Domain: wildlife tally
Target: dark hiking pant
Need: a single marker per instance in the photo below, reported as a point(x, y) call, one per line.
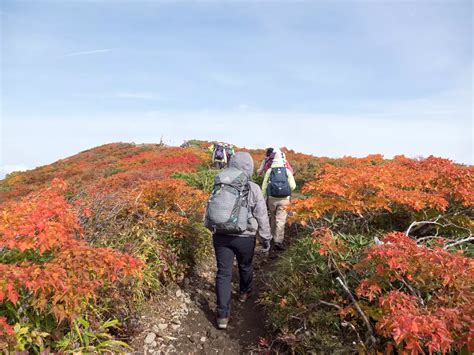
point(226, 247)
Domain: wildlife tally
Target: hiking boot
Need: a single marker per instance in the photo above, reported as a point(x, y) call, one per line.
point(222, 323)
point(244, 296)
point(279, 246)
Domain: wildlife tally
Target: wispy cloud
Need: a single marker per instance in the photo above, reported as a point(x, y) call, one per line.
point(139, 96)
point(95, 51)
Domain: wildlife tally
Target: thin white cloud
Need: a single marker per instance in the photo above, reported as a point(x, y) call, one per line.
point(95, 51)
point(139, 95)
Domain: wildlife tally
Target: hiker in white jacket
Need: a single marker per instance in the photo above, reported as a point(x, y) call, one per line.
point(277, 186)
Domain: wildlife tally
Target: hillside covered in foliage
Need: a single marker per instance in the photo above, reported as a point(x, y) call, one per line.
point(380, 255)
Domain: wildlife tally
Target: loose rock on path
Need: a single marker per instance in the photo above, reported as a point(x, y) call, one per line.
point(190, 328)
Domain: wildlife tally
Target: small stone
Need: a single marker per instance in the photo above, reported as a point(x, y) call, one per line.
point(175, 326)
point(154, 344)
point(155, 329)
point(179, 293)
point(162, 326)
point(212, 333)
point(203, 339)
point(150, 338)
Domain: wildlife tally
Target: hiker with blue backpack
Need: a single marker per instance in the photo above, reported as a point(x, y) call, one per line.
point(277, 186)
point(235, 212)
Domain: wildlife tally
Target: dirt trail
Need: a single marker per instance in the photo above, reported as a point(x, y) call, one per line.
point(188, 325)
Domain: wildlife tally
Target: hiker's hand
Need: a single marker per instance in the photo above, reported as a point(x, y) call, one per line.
point(265, 247)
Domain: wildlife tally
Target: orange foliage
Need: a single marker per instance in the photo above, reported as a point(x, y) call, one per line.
point(327, 243)
point(371, 184)
point(5, 328)
point(40, 223)
point(74, 271)
point(171, 203)
point(107, 167)
point(435, 309)
point(420, 297)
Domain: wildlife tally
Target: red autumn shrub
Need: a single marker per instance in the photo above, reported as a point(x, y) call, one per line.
point(172, 202)
point(54, 270)
point(358, 188)
point(425, 294)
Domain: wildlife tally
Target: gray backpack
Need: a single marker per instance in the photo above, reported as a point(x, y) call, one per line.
point(227, 209)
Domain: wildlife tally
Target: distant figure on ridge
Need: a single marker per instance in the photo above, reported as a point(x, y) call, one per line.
point(230, 152)
point(235, 212)
point(277, 186)
point(219, 155)
point(185, 144)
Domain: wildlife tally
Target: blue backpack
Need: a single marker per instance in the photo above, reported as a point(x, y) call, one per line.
point(278, 185)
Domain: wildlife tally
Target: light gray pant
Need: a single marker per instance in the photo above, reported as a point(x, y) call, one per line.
point(278, 213)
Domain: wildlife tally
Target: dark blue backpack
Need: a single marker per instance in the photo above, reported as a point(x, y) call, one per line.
point(278, 185)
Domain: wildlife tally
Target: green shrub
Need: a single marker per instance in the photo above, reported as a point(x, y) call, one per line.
point(112, 171)
point(203, 180)
point(299, 295)
point(92, 337)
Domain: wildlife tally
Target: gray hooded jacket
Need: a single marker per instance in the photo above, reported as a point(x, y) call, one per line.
point(257, 205)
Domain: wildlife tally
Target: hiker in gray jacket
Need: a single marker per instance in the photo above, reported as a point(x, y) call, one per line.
point(242, 244)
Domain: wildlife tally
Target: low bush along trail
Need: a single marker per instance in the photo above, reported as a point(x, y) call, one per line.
point(106, 251)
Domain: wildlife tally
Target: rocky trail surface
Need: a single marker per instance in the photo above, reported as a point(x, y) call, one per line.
point(187, 323)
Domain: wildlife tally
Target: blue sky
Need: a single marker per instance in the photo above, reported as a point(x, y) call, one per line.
point(331, 78)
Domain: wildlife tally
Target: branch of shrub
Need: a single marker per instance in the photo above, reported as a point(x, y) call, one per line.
point(341, 279)
point(413, 291)
point(461, 241)
point(420, 223)
point(361, 312)
point(348, 324)
point(329, 304)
